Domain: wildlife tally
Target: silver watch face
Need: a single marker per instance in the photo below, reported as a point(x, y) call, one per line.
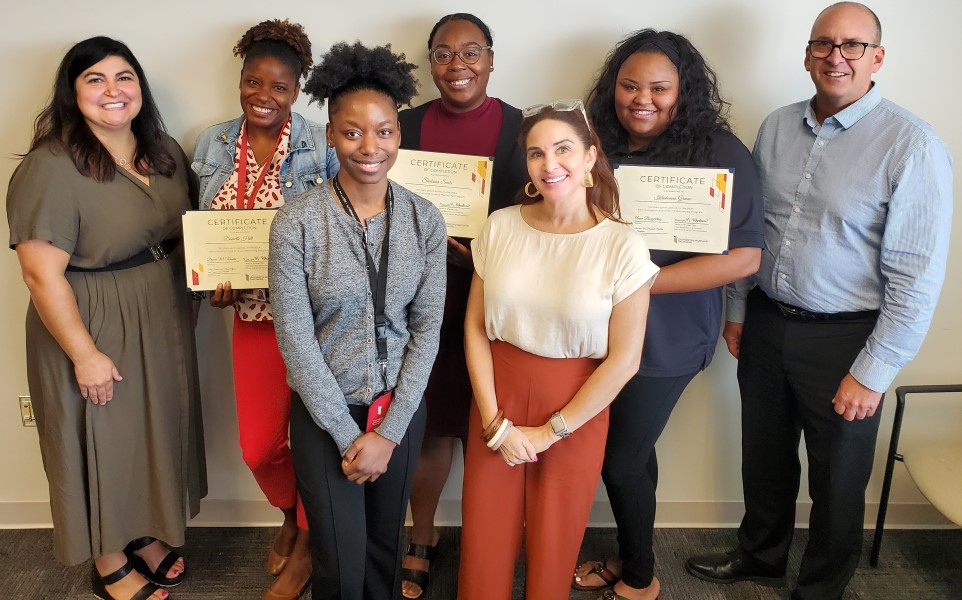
point(558, 425)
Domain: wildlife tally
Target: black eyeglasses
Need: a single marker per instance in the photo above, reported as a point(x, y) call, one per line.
point(468, 55)
point(849, 50)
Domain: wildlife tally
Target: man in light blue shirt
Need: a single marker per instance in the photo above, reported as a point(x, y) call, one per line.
point(858, 203)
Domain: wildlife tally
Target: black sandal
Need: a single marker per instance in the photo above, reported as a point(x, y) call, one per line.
point(599, 568)
point(158, 576)
point(99, 583)
point(419, 578)
point(613, 595)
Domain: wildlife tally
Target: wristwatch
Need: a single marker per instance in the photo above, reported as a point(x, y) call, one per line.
point(558, 425)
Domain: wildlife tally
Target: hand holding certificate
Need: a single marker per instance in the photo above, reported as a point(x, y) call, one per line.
point(685, 209)
point(458, 184)
point(224, 246)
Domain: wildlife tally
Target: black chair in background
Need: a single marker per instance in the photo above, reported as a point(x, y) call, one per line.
point(936, 467)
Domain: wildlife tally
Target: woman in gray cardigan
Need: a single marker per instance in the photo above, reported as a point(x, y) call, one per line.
point(357, 273)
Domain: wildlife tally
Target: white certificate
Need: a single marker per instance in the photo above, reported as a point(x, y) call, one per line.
point(686, 209)
point(458, 184)
point(227, 245)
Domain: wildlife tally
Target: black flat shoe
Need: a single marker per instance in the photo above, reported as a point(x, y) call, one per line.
point(158, 576)
point(99, 583)
point(613, 595)
point(736, 565)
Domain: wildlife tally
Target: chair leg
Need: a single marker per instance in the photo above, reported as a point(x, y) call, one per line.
point(893, 455)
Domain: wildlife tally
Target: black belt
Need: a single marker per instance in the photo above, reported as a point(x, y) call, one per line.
point(151, 254)
point(794, 313)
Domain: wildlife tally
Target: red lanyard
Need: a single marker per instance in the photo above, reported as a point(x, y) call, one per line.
point(243, 199)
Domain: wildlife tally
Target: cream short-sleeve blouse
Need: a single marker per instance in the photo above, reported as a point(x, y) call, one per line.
point(551, 294)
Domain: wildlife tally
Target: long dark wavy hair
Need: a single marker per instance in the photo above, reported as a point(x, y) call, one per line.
point(699, 113)
point(604, 194)
point(62, 125)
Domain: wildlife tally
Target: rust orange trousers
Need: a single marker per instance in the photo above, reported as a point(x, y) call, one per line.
point(547, 502)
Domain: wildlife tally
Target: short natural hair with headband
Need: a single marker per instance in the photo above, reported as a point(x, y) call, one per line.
point(283, 40)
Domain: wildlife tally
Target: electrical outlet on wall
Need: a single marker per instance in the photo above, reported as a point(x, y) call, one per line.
point(26, 412)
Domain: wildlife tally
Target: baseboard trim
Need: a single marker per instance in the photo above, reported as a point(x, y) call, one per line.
point(258, 513)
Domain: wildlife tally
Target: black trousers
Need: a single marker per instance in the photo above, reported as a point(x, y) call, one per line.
point(638, 416)
point(788, 373)
point(356, 530)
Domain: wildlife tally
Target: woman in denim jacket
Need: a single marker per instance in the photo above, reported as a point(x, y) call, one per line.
point(259, 161)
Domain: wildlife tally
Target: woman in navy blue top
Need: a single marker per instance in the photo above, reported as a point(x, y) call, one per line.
point(656, 102)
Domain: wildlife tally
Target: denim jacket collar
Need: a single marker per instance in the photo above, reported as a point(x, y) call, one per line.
point(301, 137)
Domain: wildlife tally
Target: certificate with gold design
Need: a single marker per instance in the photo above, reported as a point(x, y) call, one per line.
point(686, 209)
point(227, 245)
point(458, 184)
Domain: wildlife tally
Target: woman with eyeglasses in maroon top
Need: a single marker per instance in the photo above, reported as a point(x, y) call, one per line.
point(464, 120)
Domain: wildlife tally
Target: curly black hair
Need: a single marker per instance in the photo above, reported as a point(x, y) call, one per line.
point(348, 68)
point(700, 111)
point(283, 40)
point(485, 30)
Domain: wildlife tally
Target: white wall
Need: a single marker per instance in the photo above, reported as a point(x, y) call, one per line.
point(544, 51)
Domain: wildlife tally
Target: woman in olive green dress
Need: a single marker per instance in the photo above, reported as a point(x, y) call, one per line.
point(94, 213)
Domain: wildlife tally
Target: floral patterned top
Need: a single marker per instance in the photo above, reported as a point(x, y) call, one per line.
point(255, 305)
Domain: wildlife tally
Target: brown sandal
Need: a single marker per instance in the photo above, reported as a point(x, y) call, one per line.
point(599, 568)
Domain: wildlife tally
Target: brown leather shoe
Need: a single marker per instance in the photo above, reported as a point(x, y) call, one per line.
point(272, 595)
point(276, 562)
point(301, 579)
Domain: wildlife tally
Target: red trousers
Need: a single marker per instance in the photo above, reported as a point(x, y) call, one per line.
point(264, 412)
point(547, 501)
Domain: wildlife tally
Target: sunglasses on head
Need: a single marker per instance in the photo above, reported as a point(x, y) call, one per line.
point(559, 105)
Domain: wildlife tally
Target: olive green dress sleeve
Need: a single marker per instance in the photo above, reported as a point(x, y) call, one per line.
point(40, 202)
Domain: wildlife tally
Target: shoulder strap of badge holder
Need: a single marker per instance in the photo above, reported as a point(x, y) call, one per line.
point(377, 276)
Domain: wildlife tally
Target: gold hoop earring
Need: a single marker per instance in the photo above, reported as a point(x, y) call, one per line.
point(589, 180)
point(529, 194)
